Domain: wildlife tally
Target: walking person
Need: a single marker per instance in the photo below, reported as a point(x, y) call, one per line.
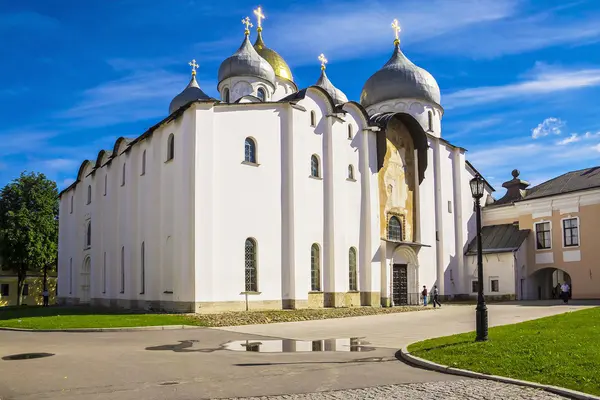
point(424, 294)
point(45, 295)
point(565, 292)
point(436, 294)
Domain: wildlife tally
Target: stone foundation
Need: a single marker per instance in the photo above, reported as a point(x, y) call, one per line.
point(316, 300)
point(372, 299)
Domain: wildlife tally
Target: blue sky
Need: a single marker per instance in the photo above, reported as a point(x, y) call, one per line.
point(519, 78)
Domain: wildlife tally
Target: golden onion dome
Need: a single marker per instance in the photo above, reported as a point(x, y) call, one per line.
point(282, 70)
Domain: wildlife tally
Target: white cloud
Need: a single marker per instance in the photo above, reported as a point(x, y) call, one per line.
point(571, 139)
point(548, 126)
point(60, 164)
point(542, 82)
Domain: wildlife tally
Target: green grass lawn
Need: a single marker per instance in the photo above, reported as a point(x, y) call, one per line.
point(562, 350)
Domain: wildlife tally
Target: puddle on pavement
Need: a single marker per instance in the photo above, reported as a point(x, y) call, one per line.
point(184, 346)
point(26, 356)
point(299, 346)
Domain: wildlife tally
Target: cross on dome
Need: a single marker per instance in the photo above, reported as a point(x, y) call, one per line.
point(259, 17)
point(323, 61)
point(397, 29)
point(246, 21)
point(194, 65)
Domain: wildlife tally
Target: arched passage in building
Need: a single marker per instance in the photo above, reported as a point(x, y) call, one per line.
point(404, 276)
point(545, 283)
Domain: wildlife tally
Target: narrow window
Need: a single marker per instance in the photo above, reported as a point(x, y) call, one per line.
point(26, 289)
point(353, 286)
point(250, 151)
point(261, 94)
point(89, 194)
point(349, 131)
point(571, 232)
point(226, 95)
point(542, 232)
point(143, 269)
point(70, 276)
point(450, 206)
point(315, 268)
point(250, 266)
point(105, 182)
point(474, 286)
point(171, 147)
point(430, 118)
point(495, 285)
point(350, 172)
point(71, 212)
point(313, 118)
point(314, 166)
point(88, 235)
point(123, 269)
point(395, 229)
point(104, 274)
point(4, 289)
point(143, 163)
point(123, 177)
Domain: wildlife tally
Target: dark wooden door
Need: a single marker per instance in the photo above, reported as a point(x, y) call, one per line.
point(400, 285)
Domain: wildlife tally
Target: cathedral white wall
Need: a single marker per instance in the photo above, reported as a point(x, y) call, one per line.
point(449, 260)
point(283, 88)
point(427, 255)
point(241, 86)
point(500, 266)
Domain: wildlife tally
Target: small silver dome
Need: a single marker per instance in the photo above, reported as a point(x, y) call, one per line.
point(247, 62)
point(190, 93)
point(338, 96)
point(399, 78)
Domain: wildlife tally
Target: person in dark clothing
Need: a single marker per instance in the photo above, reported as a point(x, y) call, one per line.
point(424, 294)
point(436, 299)
point(45, 295)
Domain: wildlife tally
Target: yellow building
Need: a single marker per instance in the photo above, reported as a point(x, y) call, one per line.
point(561, 222)
point(32, 292)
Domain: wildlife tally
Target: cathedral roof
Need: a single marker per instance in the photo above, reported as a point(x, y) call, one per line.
point(336, 94)
point(246, 62)
point(282, 70)
point(400, 78)
point(190, 93)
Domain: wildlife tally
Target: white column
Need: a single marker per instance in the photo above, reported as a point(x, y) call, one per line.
point(365, 256)
point(457, 167)
point(439, 226)
point(328, 237)
point(288, 272)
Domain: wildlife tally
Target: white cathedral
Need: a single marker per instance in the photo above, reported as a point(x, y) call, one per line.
point(273, 197)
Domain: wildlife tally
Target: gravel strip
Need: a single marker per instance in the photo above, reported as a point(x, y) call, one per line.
point(455, 390)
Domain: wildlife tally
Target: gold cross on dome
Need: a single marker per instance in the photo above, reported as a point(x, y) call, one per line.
point(323, 61)
point(397, 29)
point(246, 21)
point(259, 16)
point(194, 65)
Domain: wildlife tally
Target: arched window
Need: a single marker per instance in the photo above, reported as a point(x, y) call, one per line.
point(250, 266)
point(430, 118)
point(123, 177)
point(123, 269)
point(315, 268)
point(395, 229)
point(226, 95)
point(314, 166)
point(313, 118)
point(350, 172)
point(349, 131)
point(70, 276)
point(88, 235)
point(71, 205)
point(171, 147)
point(260, 93)
point(353, 279)
point(143, 269)
point(105, 183)
point(143, 163)
point(89, 194)
point(250, 150)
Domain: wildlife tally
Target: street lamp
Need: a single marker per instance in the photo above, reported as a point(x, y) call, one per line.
point(477, 186)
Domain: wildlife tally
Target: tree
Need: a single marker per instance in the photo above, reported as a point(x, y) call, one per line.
point(28, 226)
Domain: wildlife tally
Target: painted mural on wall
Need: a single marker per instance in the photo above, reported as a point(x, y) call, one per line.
point(396, 181)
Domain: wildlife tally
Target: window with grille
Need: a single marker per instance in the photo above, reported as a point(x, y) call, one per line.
point(71, 210)
point(353, 282)
point(123, 177)
point(314, 166)
point(105, 183)
point(250, 261)
point(250, 151)
point(571, 232)
point(495, 285)
point(474, 286)
point(88, 235)
point(261, 94)
point(395, 229)
point(350, 132)
point(542, 233)
point(315, 268)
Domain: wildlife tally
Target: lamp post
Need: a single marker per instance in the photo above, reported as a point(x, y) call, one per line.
point(477, 186)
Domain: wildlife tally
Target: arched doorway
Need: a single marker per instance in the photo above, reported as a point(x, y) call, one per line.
point(404, 276)
point(85, 281)
point(546, 282)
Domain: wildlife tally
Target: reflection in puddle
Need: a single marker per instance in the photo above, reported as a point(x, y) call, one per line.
point(296, 346)
point(27, 356)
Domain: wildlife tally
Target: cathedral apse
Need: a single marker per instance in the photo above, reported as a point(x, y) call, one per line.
point(397, 180)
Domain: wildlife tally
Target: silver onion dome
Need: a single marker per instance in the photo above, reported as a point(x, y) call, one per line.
point(400, 78)
point(246, 62)
point(191, 93)
point(338, 96)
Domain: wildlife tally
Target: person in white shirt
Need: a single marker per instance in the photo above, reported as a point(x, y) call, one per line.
point(564, 288)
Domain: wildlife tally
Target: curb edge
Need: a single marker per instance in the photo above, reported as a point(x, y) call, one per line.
point(88, 330)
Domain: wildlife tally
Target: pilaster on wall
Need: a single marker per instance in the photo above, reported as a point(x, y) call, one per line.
point(457, 168)
point(328, 202)
point(439, 226)
point(288, 263)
